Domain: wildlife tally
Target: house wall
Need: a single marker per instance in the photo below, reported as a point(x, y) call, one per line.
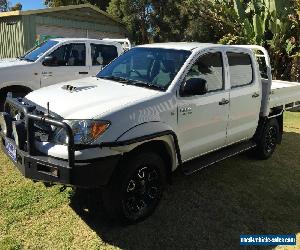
point(44, 25)
point(11, 37)
point(19, 34)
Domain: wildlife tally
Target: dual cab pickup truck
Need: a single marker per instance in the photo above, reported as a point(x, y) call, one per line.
point(144, 115)
point(54, 61)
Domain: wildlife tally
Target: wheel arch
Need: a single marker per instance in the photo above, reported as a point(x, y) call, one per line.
point(159, 138)
point(15, 88)
point(276, 114)
point(20, 89)
point(160, 147)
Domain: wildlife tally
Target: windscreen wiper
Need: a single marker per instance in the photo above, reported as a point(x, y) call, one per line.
point(24, 59)
point(146, 85)
point(133, 82)
point(114, 78)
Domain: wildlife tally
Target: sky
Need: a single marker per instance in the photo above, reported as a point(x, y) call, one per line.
point(29, 4)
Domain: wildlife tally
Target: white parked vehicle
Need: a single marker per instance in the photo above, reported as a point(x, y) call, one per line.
point(125, 42)
point(54, 61)
point(143, 116)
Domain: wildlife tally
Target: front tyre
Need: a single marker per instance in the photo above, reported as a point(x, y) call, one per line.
point(268, 140)
point(136, 189)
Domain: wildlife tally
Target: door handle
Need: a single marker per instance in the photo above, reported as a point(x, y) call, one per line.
point(255, 95)
point(83, 73)
point(187, 109)
point(224, 102)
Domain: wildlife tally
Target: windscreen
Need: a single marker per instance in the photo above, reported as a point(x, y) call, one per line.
point(38, 51)
point(146, 67)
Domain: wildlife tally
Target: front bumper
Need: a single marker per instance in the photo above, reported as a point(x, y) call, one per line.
point(36, 166)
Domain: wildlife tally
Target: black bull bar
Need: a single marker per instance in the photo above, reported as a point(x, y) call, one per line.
point(30, 118)
point(37, 166)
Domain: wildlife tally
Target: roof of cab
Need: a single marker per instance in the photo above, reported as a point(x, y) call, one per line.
point(181, 45)
point(62, 40)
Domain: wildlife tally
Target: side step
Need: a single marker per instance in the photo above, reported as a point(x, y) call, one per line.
point(220, 155)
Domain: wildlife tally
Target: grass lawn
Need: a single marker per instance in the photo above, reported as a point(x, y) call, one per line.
point(208, 210)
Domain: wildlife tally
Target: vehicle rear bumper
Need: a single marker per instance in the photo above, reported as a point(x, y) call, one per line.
point(88, 174)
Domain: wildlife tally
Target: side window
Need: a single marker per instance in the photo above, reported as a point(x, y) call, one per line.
point(240, 69)
point(210, 68)
point(59, 56)
point(69, 55)
point(103, 54)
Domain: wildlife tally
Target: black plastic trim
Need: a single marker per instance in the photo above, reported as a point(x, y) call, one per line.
point(136, 140)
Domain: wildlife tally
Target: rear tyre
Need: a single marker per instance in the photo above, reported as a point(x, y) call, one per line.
point(136, 188)
point(268, 140)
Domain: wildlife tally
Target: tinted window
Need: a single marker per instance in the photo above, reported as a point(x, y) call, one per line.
point(69, 55)
point(240, 68)
point(38, 51)
point(210, 68)
point(103, 54)
point(146, 67)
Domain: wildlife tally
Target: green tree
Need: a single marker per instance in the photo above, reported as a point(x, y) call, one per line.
point(167, 22)
point(206, 20)
point(4, 5)
point(136, 15)
point(174, 20)
point(271, 23)
point(151, 20)
point(18, 6)
point(102, 4)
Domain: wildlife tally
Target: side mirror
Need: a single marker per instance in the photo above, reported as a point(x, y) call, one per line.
point(194, 86)
point(48, 61)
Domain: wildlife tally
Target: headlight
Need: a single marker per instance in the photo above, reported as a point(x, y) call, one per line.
point(84, 131)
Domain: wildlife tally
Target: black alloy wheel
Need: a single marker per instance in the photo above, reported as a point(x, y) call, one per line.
point(136, 187)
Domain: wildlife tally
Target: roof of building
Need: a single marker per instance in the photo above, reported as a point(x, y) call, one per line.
point(79, 9)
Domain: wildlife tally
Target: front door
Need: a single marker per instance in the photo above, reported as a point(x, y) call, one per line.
point(202, 119)
point(68, 63)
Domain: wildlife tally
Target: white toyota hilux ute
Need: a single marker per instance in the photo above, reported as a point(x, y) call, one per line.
point(54, 61)
point(143, 116)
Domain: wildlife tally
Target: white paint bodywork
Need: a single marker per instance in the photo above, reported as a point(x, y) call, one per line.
point(34, 75)
point(284, 92)
point(135, 111)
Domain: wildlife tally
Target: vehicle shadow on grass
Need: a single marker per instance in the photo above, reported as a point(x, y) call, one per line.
point(210, 209)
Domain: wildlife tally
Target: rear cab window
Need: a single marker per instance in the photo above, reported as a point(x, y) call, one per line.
point(103, 54)
point(240, 69)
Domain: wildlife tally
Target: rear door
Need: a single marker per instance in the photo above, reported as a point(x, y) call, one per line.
point(245, 96)
point(101, 55)
point(68, 63)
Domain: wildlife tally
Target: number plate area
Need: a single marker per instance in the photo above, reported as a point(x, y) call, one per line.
point(11, 150)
